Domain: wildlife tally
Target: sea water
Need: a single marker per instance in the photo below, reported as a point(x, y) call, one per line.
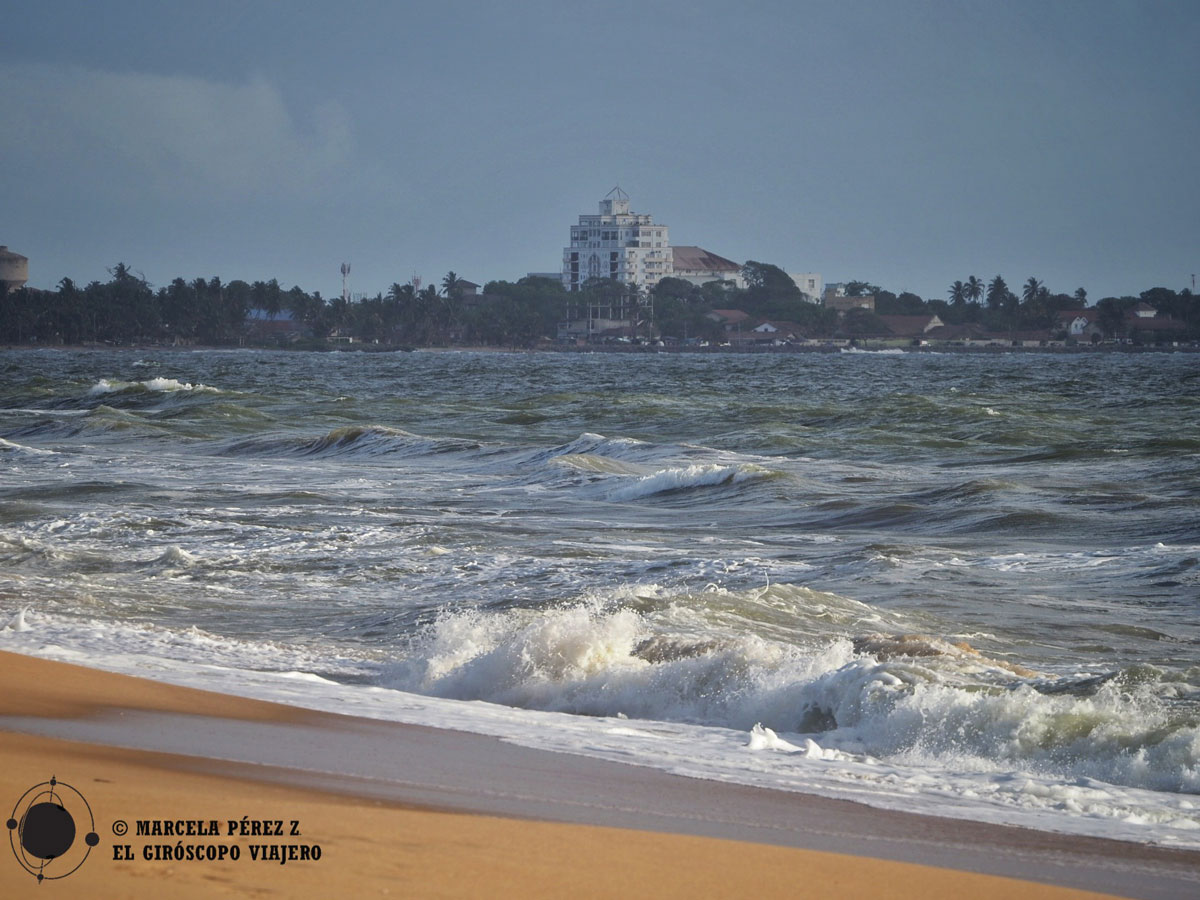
point(960, 584)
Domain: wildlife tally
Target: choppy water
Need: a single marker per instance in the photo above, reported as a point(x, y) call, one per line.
point(960, 584)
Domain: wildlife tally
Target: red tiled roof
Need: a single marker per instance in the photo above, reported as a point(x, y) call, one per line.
point(1070, 315)
point(907, 326)
point(697, 258)
point(730, 316)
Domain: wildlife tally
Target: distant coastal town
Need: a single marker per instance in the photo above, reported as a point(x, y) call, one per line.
point(622, 285)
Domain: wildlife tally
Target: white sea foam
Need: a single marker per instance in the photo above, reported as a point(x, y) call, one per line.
point(926, 701)
point(845, 762)
point(160, 385)
point(17, 622)
point(762, 738)
point(18, 450)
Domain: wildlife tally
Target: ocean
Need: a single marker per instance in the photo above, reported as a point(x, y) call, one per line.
point(964, 585)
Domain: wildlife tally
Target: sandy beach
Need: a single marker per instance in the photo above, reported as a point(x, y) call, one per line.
point(464, 816)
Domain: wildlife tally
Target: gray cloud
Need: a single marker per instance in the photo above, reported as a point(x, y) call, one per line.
point(167, 135)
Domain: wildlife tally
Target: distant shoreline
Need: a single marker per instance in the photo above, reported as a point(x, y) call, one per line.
point(868, 348)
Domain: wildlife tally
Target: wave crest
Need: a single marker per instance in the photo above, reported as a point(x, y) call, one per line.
point(909, 698)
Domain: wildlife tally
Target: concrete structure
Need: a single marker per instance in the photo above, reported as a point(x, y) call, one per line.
point(14, 270)
point(810, 284)
point(618, 244)
point(844, 304)
point(700, 266)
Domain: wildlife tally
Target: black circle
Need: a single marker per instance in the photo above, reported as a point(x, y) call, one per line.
point(12, 823)
point(47, 831)
point(92, 839)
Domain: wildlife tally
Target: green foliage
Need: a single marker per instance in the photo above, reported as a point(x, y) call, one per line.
point(888, 304)
point(126, 309)
point(861, 289)
point(860, 322)
point(770, 292)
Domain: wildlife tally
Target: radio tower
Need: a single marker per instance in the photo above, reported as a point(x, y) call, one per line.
point(345, 291)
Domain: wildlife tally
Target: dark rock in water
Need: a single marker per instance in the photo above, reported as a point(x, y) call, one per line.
point(664, 649)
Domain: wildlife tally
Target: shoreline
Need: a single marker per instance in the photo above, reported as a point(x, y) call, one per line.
point(132, 745)
point(789, 350)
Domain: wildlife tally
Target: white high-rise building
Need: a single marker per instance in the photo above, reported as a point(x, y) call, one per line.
point(618, 244)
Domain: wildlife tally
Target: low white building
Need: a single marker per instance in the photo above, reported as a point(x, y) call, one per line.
point(810, 284)
point(700, 266)
point(625, 246)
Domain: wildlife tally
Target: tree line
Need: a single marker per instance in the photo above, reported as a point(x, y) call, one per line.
point(127, 309)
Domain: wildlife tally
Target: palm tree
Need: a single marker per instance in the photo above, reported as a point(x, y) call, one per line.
point(958, 293)
point(974, 289)
point(1032, 288)
point(1081, 296)
point(997, 293)
point(273, 302)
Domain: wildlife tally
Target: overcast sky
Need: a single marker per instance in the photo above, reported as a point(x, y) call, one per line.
point(904, 142)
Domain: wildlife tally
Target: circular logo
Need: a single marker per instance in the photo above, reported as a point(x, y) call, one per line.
point(42, 830)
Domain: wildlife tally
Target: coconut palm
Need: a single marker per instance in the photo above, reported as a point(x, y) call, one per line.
point(973, 289)
point(1032, 288)
point(997, 293)
point(958, 293)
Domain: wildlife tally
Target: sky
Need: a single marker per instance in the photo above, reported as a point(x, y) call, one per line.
point(908, 143)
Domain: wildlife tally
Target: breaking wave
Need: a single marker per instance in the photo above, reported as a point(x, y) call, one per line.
point(350, 441)
point(153, 385)
point(908, 698)
point(686, 478)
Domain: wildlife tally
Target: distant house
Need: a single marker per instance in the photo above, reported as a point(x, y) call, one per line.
point(778, 330)
point(1081, 324)
point(699, 266)
point(844, 304)
point(730, 318)
point(967, 333)
point(911, 326)
point(261, 325)
point(1028, 338)
point(810, 284)
point(1144, 322)
point(467, 288)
